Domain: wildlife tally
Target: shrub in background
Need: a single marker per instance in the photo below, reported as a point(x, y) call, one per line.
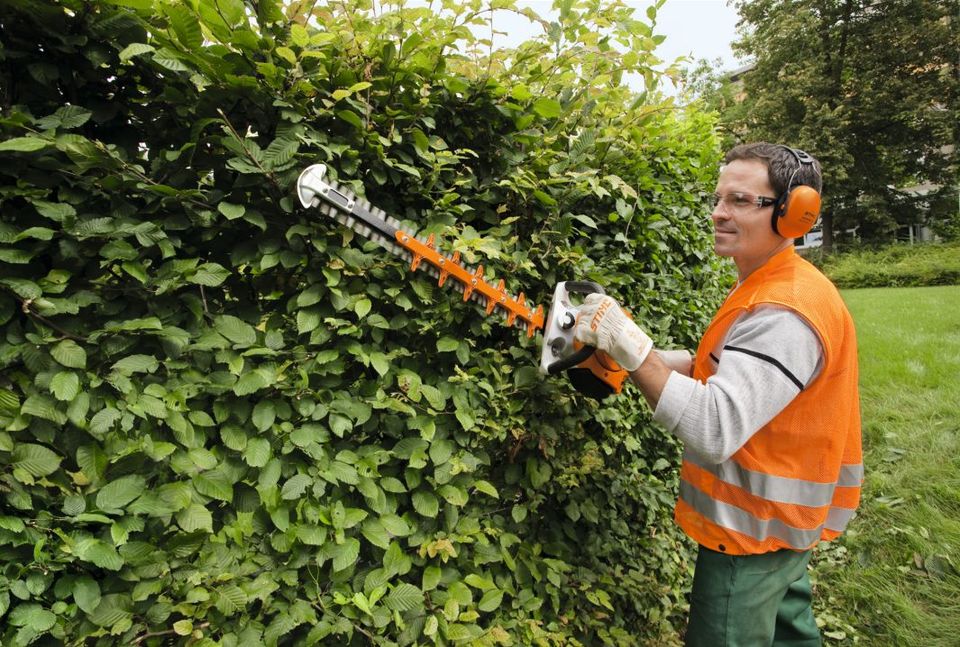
point(898, 265)
point(230, 421)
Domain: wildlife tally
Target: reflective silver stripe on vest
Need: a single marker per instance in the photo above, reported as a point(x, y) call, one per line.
point(780, 489)
point(734, 518)
point(767, 486)
point(851, 475)
point(838, 518)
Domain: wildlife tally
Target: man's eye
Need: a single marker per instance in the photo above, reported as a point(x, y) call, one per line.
point(740, 200)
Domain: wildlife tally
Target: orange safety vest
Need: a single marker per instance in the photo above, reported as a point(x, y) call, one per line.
point(796, 480)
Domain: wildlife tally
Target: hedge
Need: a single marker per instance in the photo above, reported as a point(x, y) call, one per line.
point(898, 265)
point(227, 420)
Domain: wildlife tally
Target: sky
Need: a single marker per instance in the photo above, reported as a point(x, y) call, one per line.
point(695, 28)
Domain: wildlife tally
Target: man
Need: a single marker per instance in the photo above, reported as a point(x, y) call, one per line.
point(768, 410)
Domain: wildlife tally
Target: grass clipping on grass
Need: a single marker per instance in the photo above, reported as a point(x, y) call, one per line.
point(894, 577)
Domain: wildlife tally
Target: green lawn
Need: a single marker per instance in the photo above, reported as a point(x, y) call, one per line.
point(894, 578)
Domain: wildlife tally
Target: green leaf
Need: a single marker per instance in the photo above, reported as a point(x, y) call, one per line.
point(295, 486)
point(210, 274)
point(257, 452)
point(586, 220)
point(114, 609)
point(519, 512)
point(36, 460)
point(86, 593)
point(195, 517)
point(103, 421)
point(362, 307)
point(98, 552)
point(135, 49)
point(117, 494)
point(69, 354)
point(186, 26)
point(404, 597)
point(236, 330)
point(351, 118)
point(547, 107)
point(231, 211)
point(41, 406)
point(56, 211)
point(375, 533)
point(433, 396)
point(65, 386)
point(453, 495)
point(136, 364)
point(24, 144)
point(425, 503)
point(230, 599)
point(23, 288)
point(308, 320)
point(32, 616)
point(215, 484)
point(491, 600)
point(250, 382)
point(431, 577)
point(395, 525)
point(447, 344)
point(72, 116)
point(169, 59)
point(183, 627)
point(264, 415)
point(345, 554)
point(487, 488)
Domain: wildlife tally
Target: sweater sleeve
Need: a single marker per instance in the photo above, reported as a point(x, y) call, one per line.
point(767, 358)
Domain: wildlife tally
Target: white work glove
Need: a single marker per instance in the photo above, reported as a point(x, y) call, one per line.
point(603, 324)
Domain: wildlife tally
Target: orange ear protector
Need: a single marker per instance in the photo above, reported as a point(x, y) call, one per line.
point(797, 209)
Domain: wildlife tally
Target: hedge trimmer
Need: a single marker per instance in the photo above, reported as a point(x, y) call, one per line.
point(592, 373)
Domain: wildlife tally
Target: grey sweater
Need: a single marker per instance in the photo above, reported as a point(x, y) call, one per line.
point(766, 358)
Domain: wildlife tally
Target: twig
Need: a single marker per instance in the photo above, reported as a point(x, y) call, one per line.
point(25, 306)
point(250, 156)
point(203, 296)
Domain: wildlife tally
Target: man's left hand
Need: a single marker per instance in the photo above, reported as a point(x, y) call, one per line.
point(603, 324)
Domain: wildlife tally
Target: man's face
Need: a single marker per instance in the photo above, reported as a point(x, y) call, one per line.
point(742, 230)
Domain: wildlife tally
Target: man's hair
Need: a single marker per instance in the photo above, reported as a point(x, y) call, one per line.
point(782, 165)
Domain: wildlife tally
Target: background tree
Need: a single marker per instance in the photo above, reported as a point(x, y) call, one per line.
point(871, 89)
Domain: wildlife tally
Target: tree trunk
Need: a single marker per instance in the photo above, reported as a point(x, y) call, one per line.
point(826, 223)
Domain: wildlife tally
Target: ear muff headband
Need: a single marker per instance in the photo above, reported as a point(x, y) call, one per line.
point(797, 209)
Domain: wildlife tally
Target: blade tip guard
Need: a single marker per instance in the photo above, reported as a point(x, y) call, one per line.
point(310, 183)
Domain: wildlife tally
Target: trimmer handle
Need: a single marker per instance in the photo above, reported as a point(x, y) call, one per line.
point(575, 287)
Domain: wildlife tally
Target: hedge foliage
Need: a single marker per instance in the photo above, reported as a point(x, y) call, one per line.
point(899, 265)
point(227, 420)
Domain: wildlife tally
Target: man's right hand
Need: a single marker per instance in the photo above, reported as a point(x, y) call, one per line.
point(603, 324)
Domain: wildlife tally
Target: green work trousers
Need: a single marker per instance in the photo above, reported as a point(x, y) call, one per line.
point(751, 601)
